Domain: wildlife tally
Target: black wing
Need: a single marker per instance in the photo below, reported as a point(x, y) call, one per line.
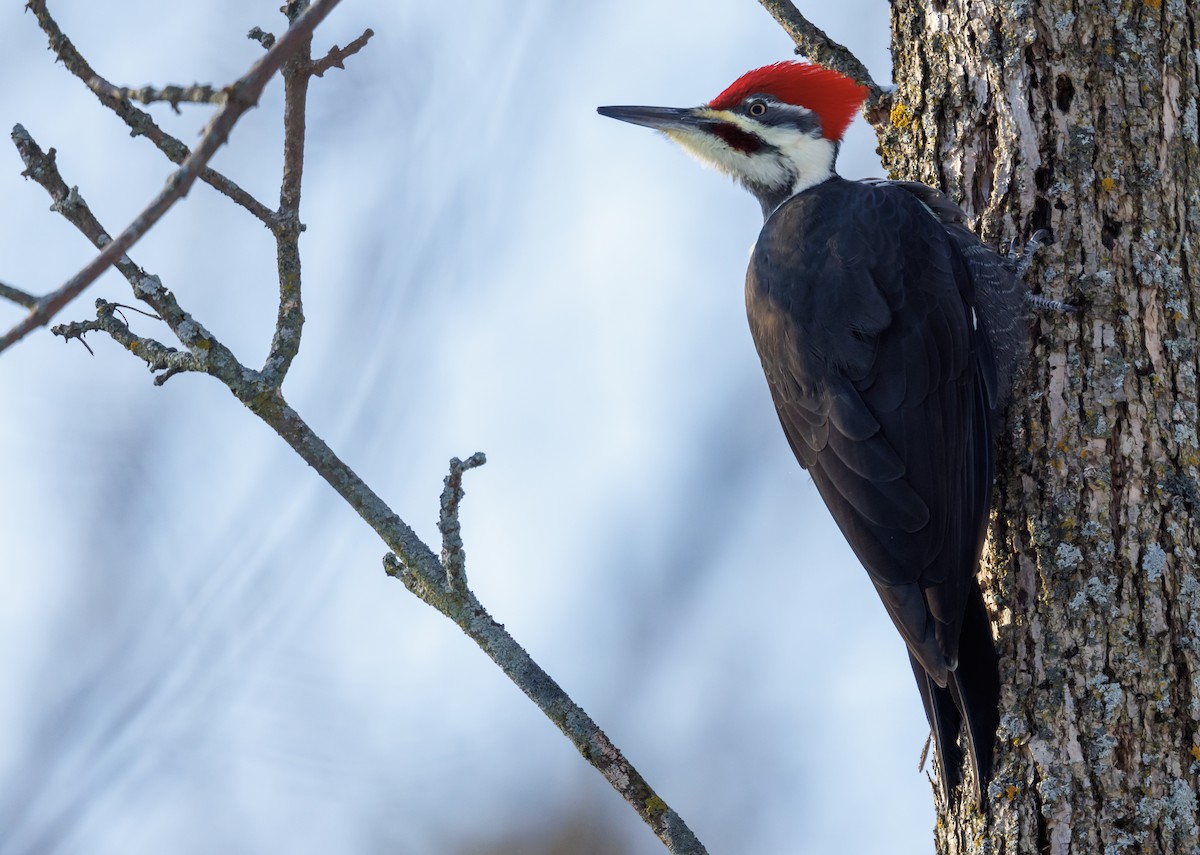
point(861, 311)
point(1000, 294)
point(862, 303)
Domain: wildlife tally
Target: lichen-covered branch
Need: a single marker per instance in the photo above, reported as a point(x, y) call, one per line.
point(454, 557)
point(289, 324)
point(258, 34)
point(140, 122)
point(197, 93)
point(812, 41)
point(157, 356)
point(297, 73)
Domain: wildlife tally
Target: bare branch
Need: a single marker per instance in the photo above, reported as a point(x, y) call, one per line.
point(242, 96)
point(812, 41)
point(337, 56)
point(16, 295)
point(140, 123)
point(454, 557)
point(197, 93)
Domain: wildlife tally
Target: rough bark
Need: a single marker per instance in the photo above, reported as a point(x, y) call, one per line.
point(1081, 118)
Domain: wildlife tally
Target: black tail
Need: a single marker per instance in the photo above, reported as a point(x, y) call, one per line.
point(972, 695)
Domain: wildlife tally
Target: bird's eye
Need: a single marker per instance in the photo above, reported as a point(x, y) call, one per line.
point(756, 108)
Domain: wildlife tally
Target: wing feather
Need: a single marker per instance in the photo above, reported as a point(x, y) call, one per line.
point(865, 328)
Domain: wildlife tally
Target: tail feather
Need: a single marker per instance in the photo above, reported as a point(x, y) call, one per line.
point(944, 724)
point(971, 697)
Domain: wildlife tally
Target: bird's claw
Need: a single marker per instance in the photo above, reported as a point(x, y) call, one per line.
point(1019, 261)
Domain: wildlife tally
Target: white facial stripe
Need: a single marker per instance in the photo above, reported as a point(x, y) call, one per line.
point(764, 168)
point(798, 159)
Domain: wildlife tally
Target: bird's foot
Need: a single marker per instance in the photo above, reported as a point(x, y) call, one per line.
point(1045, 304)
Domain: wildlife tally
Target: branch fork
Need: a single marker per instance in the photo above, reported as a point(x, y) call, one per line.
point(434, 582)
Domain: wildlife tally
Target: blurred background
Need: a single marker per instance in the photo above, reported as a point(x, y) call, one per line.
point(199, 650)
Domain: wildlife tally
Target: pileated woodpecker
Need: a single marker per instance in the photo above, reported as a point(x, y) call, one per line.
point(889, 335)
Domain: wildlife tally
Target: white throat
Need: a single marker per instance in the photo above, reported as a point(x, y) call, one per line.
point(811, 158)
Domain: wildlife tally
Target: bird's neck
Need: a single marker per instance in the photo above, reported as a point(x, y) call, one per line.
point(808, 162)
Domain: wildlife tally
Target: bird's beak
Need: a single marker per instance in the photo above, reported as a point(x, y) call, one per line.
point(659, 118)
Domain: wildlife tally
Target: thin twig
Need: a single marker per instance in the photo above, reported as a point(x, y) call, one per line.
point(242, 96)
point(197, 93)
point(812, 41)
point(454, 556)
point(140, 123)
point(289, 322)
point(16, 295)
point(337, 56)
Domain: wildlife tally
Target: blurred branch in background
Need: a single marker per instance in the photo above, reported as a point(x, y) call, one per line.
point(16, 295)
point(439, 582)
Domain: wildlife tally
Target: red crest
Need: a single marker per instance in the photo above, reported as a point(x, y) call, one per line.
point(832, 96)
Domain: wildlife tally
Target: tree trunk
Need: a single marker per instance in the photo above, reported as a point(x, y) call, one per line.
point(1081, 118)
